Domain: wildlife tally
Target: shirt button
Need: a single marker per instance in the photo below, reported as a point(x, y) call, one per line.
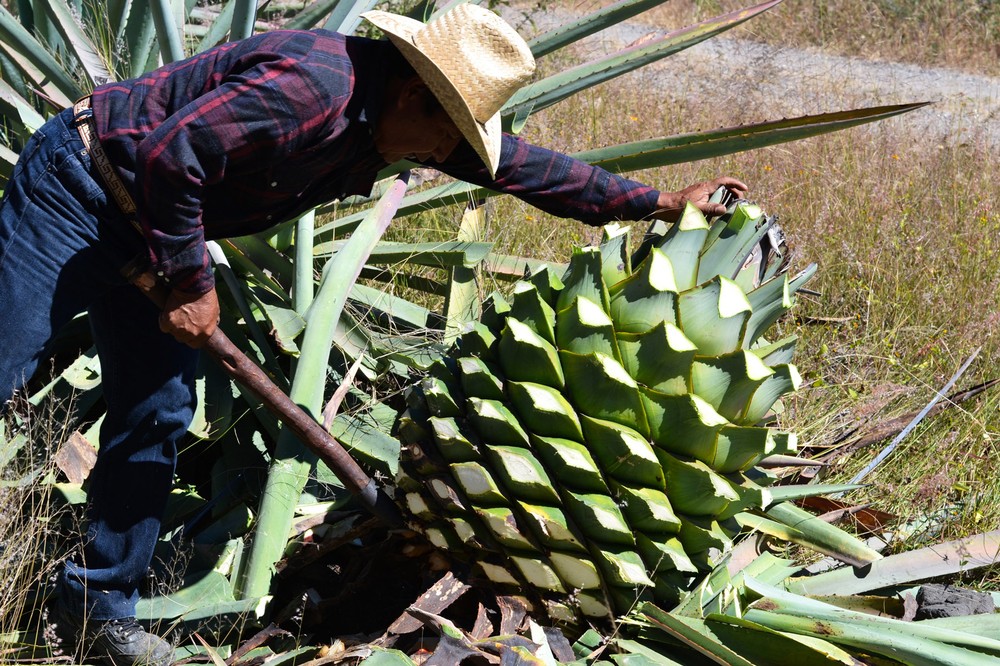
point(159, 273)
point(274, 183)
point(268, 218)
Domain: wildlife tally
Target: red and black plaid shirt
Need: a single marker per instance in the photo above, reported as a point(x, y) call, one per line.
point(255, 132)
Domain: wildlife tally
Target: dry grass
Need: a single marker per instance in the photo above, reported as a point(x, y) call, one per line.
point(904, 228)
point(963, 34)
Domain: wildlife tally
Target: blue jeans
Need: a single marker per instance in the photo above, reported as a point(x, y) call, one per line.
point(63, 244)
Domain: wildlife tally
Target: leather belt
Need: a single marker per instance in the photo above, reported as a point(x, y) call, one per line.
point(87, 127)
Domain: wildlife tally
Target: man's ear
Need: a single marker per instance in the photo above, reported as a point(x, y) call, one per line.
point(412, 93)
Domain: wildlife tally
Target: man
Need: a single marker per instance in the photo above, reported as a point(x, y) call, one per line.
point(231, 142)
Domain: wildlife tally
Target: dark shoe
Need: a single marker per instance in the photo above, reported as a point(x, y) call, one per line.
point(125, 643)
point(119, 642)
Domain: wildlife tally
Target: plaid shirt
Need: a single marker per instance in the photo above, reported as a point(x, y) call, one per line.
point(255, 132)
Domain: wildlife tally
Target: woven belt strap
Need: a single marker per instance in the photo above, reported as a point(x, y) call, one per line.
point(87, 127)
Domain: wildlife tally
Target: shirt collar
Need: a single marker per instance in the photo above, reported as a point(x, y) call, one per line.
point(370, 61)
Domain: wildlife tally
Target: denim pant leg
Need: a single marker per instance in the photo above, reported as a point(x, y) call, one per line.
point(56, 251)
point(148, 382)
point(62, 245)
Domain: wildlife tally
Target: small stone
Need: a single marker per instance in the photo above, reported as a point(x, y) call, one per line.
point(948, 601)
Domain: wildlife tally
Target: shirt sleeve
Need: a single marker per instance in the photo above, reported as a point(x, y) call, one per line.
point(254, 117)
point(556, 183)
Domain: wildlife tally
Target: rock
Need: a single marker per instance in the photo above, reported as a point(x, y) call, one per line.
point(948, 601)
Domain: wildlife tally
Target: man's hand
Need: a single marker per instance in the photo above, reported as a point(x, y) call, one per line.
point(189, 317)
point(670, 205)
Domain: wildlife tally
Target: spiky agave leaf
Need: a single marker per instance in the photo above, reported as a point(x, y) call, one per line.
point(595, 427)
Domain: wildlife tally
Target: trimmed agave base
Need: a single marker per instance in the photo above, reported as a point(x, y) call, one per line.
point(591, 441)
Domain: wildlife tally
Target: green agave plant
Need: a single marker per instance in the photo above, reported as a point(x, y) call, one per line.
point(598, 431)
point(292, 303)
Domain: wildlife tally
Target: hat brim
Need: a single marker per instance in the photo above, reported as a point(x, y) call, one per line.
point(485, 138)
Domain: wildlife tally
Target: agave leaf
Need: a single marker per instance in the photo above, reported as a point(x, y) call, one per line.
point(601, 388)
point(645, 298)
point(625, 455)
point(664, 553)
point(584, 278)
point(167, 34)
point(496, 423)
point(528, 307)
point(599, 517)
point(38, 65)
point(544, 410)
point(477, 483)
point(652, 153)
point(739, 448)
point(728, 382)
point(733, 241)
point(786, 521)
point(219, 28)
point(624, 568)
point(314, 13)
point(692, 633)
point(660, 359)
point(580, 573)
point(479, 379)
point(384, 657)
point(585, 328)
point(714, 316)
point(784, 380)
point(571, 463)
point(985, 625)
point(682, 245)
point(585, 26)
point(268, 266)
point(290, 467)
point(244, 15)
point(800, 491)
point(522, 474)
point(8, 158)
point(694, 489)
point(400, 310)
point(616, 260)
point(79, 43)
point(346, 15)
point(543, 94)
point(941, 559)
point(462, 301)
point(442, 255)
point(647, 510)
point(554, 530)
point(526, 356)
point(504, 525)
point(683, 424)
point(913, 642)
point(14, 105)
point(771, 300)
point(765, 645)
point(538, 573)
point(546, 282)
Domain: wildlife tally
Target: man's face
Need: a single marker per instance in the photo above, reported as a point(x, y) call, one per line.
point(407, 131)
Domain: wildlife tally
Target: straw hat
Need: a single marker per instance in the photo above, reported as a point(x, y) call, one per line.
point(471, 60)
